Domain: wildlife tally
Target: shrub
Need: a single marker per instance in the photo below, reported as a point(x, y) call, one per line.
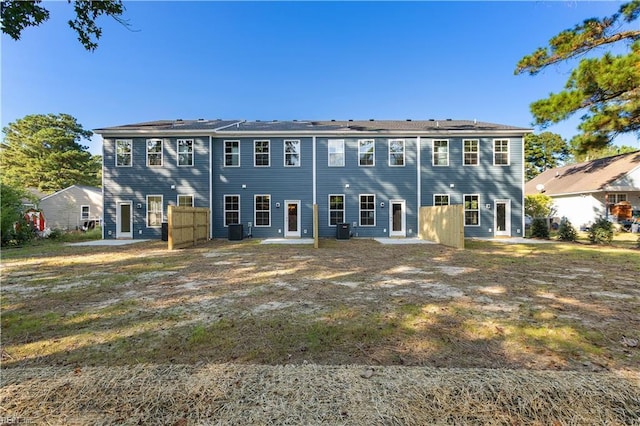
point(601, 232)
point(566, 231)
point(539, 228)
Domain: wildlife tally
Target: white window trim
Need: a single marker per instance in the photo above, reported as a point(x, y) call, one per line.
point(224, 153)
point(161, 211)
point(375, 216)
point(442, 195)
point(130, 152)
point(284, 150)
point(88, 212)
point(508, 152)
point(478, 209)
point(224, 208)
point(155, 153)
point(193, 158)
point(477, 141)
point(329, 152)
point(404, 155)
point(433, 152)
point(268, 152)
point(374, 152)
point(617, 196)
point(344, 208)
point(193, 199)
point(255, 211)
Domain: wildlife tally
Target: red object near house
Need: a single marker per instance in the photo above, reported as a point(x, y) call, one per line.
point(36, 218)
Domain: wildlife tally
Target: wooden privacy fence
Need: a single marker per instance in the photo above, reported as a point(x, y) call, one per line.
point(188, 226)
point(443, 224)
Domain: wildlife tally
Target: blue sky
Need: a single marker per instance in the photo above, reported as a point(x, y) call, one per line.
point(293, 60)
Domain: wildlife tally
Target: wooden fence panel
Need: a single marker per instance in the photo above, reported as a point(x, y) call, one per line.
point(443, 224)
point(188, 226)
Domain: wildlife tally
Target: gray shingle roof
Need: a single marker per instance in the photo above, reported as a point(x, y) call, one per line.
point(588, 176)
point(233, 126)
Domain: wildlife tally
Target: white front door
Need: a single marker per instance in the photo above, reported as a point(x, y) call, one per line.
point(397, 218)
point(124, 220)
point(502, 218)
point(292, 219)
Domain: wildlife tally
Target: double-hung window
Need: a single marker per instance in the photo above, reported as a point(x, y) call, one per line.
point(154, 211)
point(367, 210)
point(440, 199)
point(440, 152)
point(471, 152)
point(336, 209)
point(291, 153)
point(185, 152)
point(336, 152)
point(84, 212)
point(262, 210)
point(124, 152)
point(501, 152)
point(185, 200)
point(471, 209)
point(615, 198)
point(232, 153)
point(231, 210)
point(396, 152)
point(154, 152)
point(367, 152)
point(261, 153)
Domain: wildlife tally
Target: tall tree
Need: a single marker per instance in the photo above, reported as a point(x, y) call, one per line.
point(44, 152)
point(593, 154)
point(18, 15)
point(606, 88)
point(544, 151)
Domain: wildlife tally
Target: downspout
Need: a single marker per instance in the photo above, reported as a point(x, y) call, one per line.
point(210, 187)
point(419, 183)
point(314, 180)
point(104, 207)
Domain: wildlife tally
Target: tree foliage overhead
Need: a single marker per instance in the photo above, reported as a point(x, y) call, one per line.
point(606, 88)
point(544, 151)
point(44, 152)
point(18, 15)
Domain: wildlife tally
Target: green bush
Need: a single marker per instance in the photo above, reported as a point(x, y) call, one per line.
point(539, 228)
point(566, 231)
point(601, 232)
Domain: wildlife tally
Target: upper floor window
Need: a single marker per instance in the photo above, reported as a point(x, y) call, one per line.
point(471, 151)
point(616, 198)
point(154, 211)
point(367, 210)
point(231, 209)
point(441, 152)
point(232, 153)
point(501, 152)
point(262, 210)
point(292, 153)
point(185, 152)
point(84, 212)
point(336, 153)
point(440, 199)
point(123, 152)
point(367, 152)
point(472, 210)
point(336, 209)
point(261, 153)
point(396, 152)
point(154, 152)
point(185, 200)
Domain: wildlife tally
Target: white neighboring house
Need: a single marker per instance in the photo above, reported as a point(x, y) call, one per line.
point(586, 191)
point(72, 208)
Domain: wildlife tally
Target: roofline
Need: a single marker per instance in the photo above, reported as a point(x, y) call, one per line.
point(286, 133)
point(69, 187)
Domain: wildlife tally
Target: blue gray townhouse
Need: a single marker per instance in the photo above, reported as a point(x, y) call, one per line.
point(373, 175)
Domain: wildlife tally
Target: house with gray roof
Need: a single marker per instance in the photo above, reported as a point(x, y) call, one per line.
point(372, 175)
point(586, 191)
point(72, 208)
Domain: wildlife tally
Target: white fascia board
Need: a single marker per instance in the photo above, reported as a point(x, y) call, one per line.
point(57, 192)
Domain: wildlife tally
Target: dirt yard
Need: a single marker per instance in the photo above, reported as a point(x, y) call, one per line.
point(396, 312)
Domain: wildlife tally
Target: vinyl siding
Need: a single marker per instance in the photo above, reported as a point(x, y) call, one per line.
point(135, 183)
point(62, 210)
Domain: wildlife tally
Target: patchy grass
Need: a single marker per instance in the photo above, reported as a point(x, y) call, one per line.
point(564, 306)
